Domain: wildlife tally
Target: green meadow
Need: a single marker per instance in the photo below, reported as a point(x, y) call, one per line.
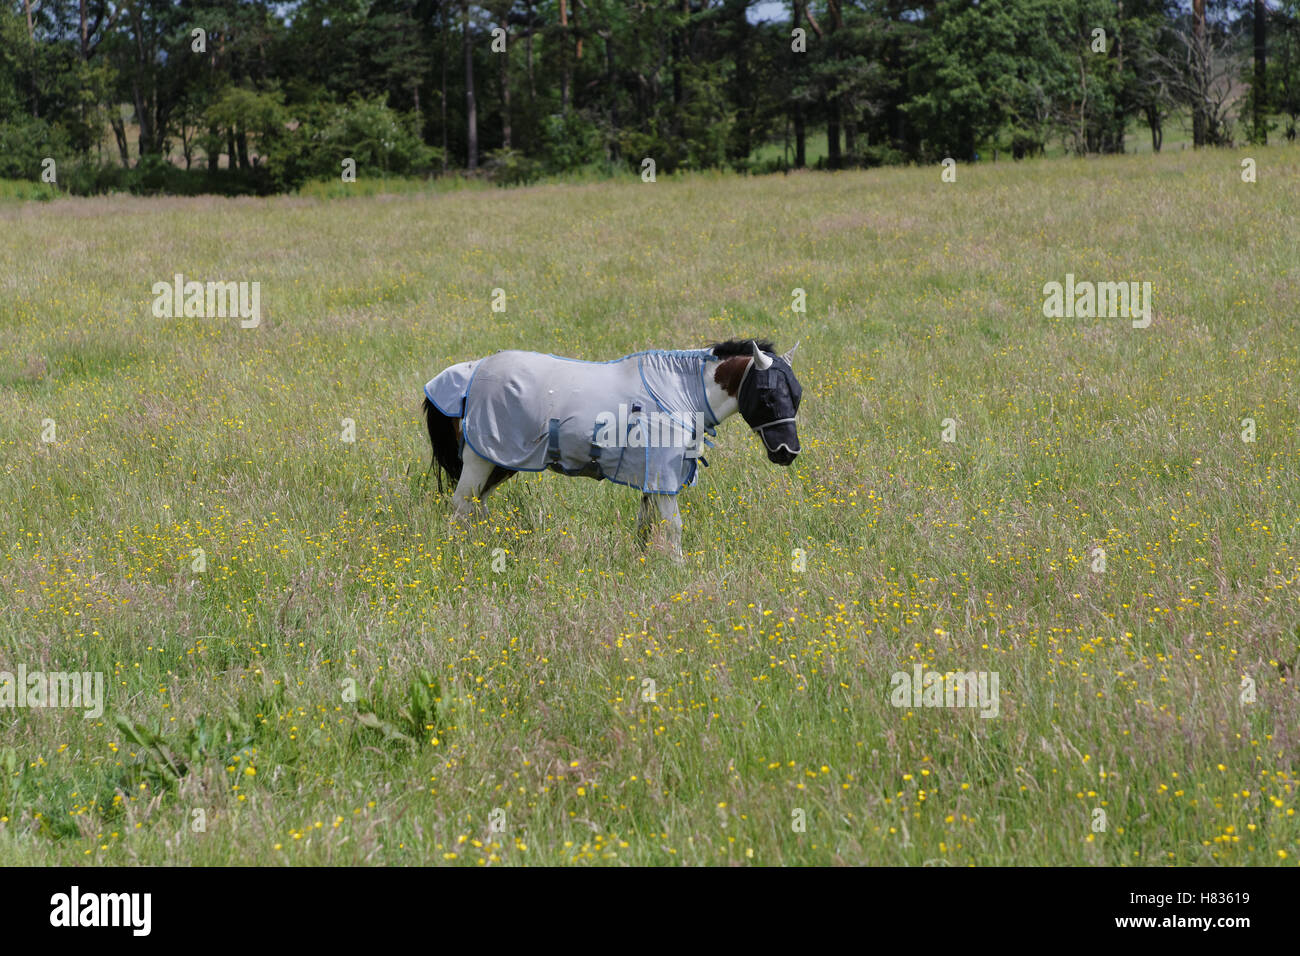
point(305, 660)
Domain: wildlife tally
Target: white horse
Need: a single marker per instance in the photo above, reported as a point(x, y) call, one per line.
point(641, 420)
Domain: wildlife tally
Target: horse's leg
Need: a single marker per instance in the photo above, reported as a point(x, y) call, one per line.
point(498, 477)
point(670, 513)
point(474, 473)
point(644, 520)
point(667, 505)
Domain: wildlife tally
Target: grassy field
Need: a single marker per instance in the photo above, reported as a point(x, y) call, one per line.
point(503, 710)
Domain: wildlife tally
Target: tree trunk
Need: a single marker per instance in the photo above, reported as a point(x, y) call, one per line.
point(1261, 89)
point(577, 32)
point(565, 76)
point(612, 93)
point(445, 56)
point(834, 159)
point(1118, 117)
point(1157, 129)
point(31, 42)
point(119, 134)
point(800, 138)
point(505, 96)
point(142, 117)
point(528, 49)
point(471, 109)
point(1200, 122)
point(85, 57)
point(679, 46)
point(150, 136)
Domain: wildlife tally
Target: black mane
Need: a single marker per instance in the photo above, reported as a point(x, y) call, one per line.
point(740, 347)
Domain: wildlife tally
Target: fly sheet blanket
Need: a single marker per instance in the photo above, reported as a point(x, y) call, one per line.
point(640, 420)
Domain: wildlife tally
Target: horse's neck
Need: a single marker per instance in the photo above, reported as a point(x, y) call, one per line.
point(723, 405)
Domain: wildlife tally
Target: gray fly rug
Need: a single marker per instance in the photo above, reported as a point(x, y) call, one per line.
point(640, 420)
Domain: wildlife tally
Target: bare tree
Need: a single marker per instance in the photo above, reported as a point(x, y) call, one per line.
point(1203, 69)
point(1154, 96)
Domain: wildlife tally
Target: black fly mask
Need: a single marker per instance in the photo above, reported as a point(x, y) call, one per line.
point(769, 400)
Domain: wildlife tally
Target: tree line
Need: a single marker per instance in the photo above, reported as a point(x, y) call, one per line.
point(260, 96)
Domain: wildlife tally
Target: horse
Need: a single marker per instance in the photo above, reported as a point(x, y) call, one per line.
point(642, 420)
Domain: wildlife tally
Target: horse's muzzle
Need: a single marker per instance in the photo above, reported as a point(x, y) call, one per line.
point(780, 442)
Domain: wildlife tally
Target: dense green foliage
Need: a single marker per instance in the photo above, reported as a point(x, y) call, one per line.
point(260, 97)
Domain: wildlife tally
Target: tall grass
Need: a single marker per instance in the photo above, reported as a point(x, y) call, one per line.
point(352, 678)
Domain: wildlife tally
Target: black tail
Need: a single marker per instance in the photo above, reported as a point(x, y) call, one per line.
point(446, 447)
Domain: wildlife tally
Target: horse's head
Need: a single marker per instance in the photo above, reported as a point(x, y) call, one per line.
point(769, 400)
